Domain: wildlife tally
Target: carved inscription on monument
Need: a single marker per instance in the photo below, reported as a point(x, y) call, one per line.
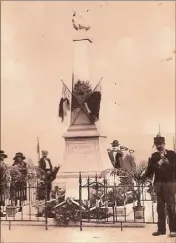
point(81, 148)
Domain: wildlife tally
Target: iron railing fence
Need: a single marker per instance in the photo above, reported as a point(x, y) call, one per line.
point(99, 203)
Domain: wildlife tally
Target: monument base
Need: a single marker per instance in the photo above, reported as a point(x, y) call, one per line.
point(71, 184)
point(85, 152)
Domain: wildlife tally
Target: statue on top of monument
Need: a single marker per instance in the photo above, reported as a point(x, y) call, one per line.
point(81, 23)
point(79, 20)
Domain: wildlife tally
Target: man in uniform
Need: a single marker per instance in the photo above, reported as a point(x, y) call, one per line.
point(162, 164)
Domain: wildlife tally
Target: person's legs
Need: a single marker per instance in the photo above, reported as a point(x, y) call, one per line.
point(161, 215)
point(48, 190)
point(170, 202)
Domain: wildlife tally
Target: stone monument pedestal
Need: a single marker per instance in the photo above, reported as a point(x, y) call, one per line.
point(85, 152)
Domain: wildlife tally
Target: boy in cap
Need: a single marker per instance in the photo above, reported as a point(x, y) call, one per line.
point(2, 193)
point(162, 164)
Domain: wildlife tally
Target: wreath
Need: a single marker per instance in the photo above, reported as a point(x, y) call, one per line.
point(83, 95)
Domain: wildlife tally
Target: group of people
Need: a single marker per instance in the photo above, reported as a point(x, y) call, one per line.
point(161, 165)
point(15, 180)
point(17, 188)
point(121, 157)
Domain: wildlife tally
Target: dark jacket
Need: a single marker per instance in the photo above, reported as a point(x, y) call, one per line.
point(42, 164)
point(22, 167)
point(128, 163)
point(115, 161)
point(164, 173)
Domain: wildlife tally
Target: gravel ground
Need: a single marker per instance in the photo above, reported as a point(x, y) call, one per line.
point(36, 234)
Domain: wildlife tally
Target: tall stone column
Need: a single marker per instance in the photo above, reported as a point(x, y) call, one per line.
point(82, 41)
point(83, 152)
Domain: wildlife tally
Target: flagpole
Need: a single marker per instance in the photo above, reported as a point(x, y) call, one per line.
point(66, 86)
point(38, 149)
point(97, 84)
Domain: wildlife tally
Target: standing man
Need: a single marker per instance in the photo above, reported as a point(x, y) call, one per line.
point(46, 166)
point(2, 187)
point(115, 154)
point(127, 162)
point(162, 164)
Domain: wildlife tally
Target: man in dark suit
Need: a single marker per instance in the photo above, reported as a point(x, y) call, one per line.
point(115, 154)
point(45, 162)
point(162, 164)
point(46, 166)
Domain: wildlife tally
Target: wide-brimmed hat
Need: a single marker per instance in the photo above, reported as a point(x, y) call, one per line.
point(115, 143)
point(159, 140)
point(19, 154)
point(2, 154)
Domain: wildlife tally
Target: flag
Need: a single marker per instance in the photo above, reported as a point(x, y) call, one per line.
point(93, 102)
point(64, 104)
point(38, 148)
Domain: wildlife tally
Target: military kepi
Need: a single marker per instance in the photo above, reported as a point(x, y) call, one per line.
point(159, 140)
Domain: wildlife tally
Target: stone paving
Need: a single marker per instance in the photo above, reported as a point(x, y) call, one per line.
point(38, 234)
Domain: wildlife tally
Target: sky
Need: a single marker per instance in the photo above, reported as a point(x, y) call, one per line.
point(133, 50)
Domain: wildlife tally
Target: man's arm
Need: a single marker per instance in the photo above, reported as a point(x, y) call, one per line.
point(50, 164)
point(150, 170)
point(174, 164)
point(110, 154)
point(42, 164)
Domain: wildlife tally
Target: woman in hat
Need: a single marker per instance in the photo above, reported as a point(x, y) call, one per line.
point(2, 189)
point(19, 185)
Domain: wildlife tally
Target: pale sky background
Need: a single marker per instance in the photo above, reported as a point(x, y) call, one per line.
point(134, 45)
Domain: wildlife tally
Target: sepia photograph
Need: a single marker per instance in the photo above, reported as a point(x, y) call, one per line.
point(88, 122)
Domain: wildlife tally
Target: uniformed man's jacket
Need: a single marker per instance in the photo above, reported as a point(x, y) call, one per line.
point(165, 172)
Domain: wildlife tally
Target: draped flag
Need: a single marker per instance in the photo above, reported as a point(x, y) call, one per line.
point(93, 102)
point(64, 104)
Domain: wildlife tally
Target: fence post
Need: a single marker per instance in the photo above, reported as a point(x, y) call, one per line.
point(46, 198)
point(88, 203)
point(80, 200)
